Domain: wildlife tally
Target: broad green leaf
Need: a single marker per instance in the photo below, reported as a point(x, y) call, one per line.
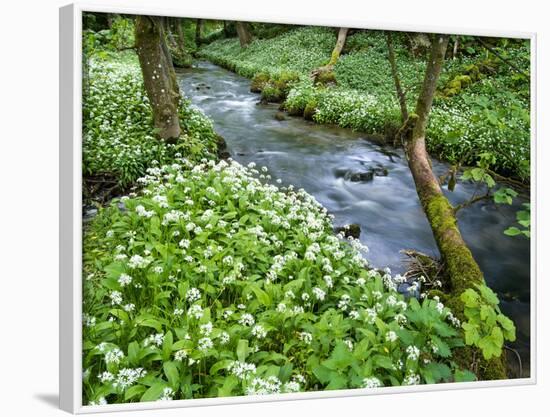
point(242, 350)
point(172, 374)
point(154, 392)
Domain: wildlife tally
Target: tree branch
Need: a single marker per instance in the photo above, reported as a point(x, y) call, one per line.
point(472, 201)
point(400, 94)
point(506, 61)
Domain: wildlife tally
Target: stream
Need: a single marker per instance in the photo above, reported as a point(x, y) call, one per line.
point(333, 165)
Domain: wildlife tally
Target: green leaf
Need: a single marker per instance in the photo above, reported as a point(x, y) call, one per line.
point(470, 298)
point(491, 345)
point(242, 350)
point(154, 392)
point(381, 361)
point(134, 392)
point(488, 294)
point(167, 345)
point(509, 329)
point(229, 384)
point(512, 231)
point(322, 373)
point(464, 376)
point(471, 333)
point(337, 381)
point(218, 366)
point(262, 296)
point(172, 374)
point(285, 372)
point(133, 353)
point(340, 358)
point(443, 349)
point(487, 314)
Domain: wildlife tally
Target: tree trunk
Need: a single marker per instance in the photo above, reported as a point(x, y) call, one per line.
point(198, 32)
point(460, 265)
point(455, 47)
point(243, 32)
point(168, 25)
point(340, 42)
point(180, 36)
point(400, 93)
point(461, 268)
point(158, 76)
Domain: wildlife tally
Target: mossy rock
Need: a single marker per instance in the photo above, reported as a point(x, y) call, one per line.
point(271, 94)
point(294, 111)
point(350, 230)
point(259, 81)
point(285, 80)
point(309, 111)
point(324, 76)
point(280, 116)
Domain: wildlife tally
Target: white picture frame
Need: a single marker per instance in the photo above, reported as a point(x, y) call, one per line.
point(70, 204)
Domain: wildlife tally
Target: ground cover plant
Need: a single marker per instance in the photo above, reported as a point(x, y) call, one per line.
point(118, 132)
point(213, 283)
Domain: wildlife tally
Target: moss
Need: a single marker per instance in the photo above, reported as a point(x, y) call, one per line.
point(309, 110)
point(271, 94)
point(463, 272)
point(325, 76)
point(259, 81)
point(284, 81)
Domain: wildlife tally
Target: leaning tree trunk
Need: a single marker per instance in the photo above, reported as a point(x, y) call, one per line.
point(158, 76)
point(243, 32)
point(461, 268)
point(340, 42)
point(459, 263)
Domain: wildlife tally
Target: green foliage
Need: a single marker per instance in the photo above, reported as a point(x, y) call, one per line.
point(211, 282)
point(118, 133)
point(106, 41)
point(487, 328)
point(523, 217)
point(298, 50)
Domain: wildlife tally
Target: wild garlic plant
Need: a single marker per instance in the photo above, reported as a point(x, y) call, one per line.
point(211, 281)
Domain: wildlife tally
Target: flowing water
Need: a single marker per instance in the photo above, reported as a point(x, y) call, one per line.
point(323, 161)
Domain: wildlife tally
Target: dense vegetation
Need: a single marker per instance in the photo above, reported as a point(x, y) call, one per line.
point(213, 283)
point(208, 280)
point(119, 136)
point(482, 105)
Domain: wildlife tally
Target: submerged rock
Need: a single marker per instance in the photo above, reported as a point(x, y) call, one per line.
point(361, 176)
point(280, 116)
point(202, 86)
point(353, 230)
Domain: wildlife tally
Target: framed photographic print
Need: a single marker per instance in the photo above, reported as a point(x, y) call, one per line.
point(261, 209)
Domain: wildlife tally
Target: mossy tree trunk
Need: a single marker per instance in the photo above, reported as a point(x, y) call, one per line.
point(461, 268)
point(244, 34)
point(340, 42)
point(158, 76)
point(180, 37)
